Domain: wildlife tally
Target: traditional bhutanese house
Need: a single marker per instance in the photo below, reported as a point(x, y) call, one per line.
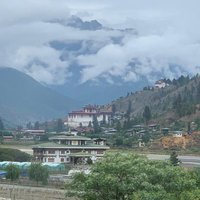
point(153, 127)
point(8, 137)
point(160, 84)
point(177, 134)
point(33, 134)
point(68, 149)
point(86, 116)
point(165, 131)
point(100, 141)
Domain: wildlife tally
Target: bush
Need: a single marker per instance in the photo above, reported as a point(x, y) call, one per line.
point(12, 172)
point(38, 173)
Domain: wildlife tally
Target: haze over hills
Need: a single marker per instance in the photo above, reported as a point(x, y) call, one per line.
point(23, 99)
point(100, 53)
point(103, 89)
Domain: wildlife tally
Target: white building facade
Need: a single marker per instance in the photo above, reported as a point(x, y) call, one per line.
point(68, 149)
point(86, 116)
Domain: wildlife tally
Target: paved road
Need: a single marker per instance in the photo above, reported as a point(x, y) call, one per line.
point(190, 161)
point(29, 151)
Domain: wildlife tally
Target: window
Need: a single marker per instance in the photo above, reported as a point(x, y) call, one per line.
point(100, 151)
point(74, 142)
point(62, 151)
point(50, 159)
point(68, 151)
point(51, 151)
point(62, 160)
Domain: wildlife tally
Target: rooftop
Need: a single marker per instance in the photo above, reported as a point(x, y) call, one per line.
point(63, 146)
point(65, 137)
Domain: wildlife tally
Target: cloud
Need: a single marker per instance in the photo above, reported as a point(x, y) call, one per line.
point(27, 30)
point(167, 44)
point(166, 55)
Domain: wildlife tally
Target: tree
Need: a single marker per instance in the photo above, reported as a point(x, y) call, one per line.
point(132, 177)
point(80, 125)
point(147, 114)
point(37, 125)
point(29, 125)
point(118, 126)
point(96, 124)
point(59, 127)
point(113, 108)
point(13, 172)
point(128, 112)
point(174, 159)
point(38, 173)
point(90, 124)
point(46, 126)
point(89, 161)
point(119, 141)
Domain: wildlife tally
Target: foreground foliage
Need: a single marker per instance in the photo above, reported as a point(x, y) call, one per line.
point(13, 172)
point(38, 173)
point(132, 177)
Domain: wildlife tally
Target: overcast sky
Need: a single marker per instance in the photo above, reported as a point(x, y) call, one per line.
point(167, 43)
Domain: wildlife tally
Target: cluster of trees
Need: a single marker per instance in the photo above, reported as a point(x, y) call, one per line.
point(182, 80)
point(133, 177)
point(57, 125)
point(36, 172)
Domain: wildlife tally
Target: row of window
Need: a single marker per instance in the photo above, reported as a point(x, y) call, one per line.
point(53, 152)
point(53, 160)
point(68, 151)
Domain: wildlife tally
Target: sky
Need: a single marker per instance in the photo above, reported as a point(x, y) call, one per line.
point(167, 43)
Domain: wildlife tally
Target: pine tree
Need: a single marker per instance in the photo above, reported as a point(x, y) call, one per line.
point(128, 112)
point(177, 105)
point(59, 127)
point(174, 159)
point(147, 114)
point(90, 124)
point(37, 125)
point(96, 124)
point(29, 126)
point(118, 126)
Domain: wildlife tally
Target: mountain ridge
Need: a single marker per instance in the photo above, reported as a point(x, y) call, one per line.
point(24, 99)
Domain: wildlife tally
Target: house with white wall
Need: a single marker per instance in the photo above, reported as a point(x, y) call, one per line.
point(69, 149)
point(86, 116)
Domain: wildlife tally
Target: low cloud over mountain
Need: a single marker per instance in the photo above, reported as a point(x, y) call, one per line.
point(104, 40)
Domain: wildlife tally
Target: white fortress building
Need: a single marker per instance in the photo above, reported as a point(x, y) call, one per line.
point(160, 84)
point(86, 116)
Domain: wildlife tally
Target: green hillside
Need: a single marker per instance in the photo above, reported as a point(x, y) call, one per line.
point(179, 100)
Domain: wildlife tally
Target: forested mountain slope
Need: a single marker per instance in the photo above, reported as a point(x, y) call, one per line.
point(179, 99)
